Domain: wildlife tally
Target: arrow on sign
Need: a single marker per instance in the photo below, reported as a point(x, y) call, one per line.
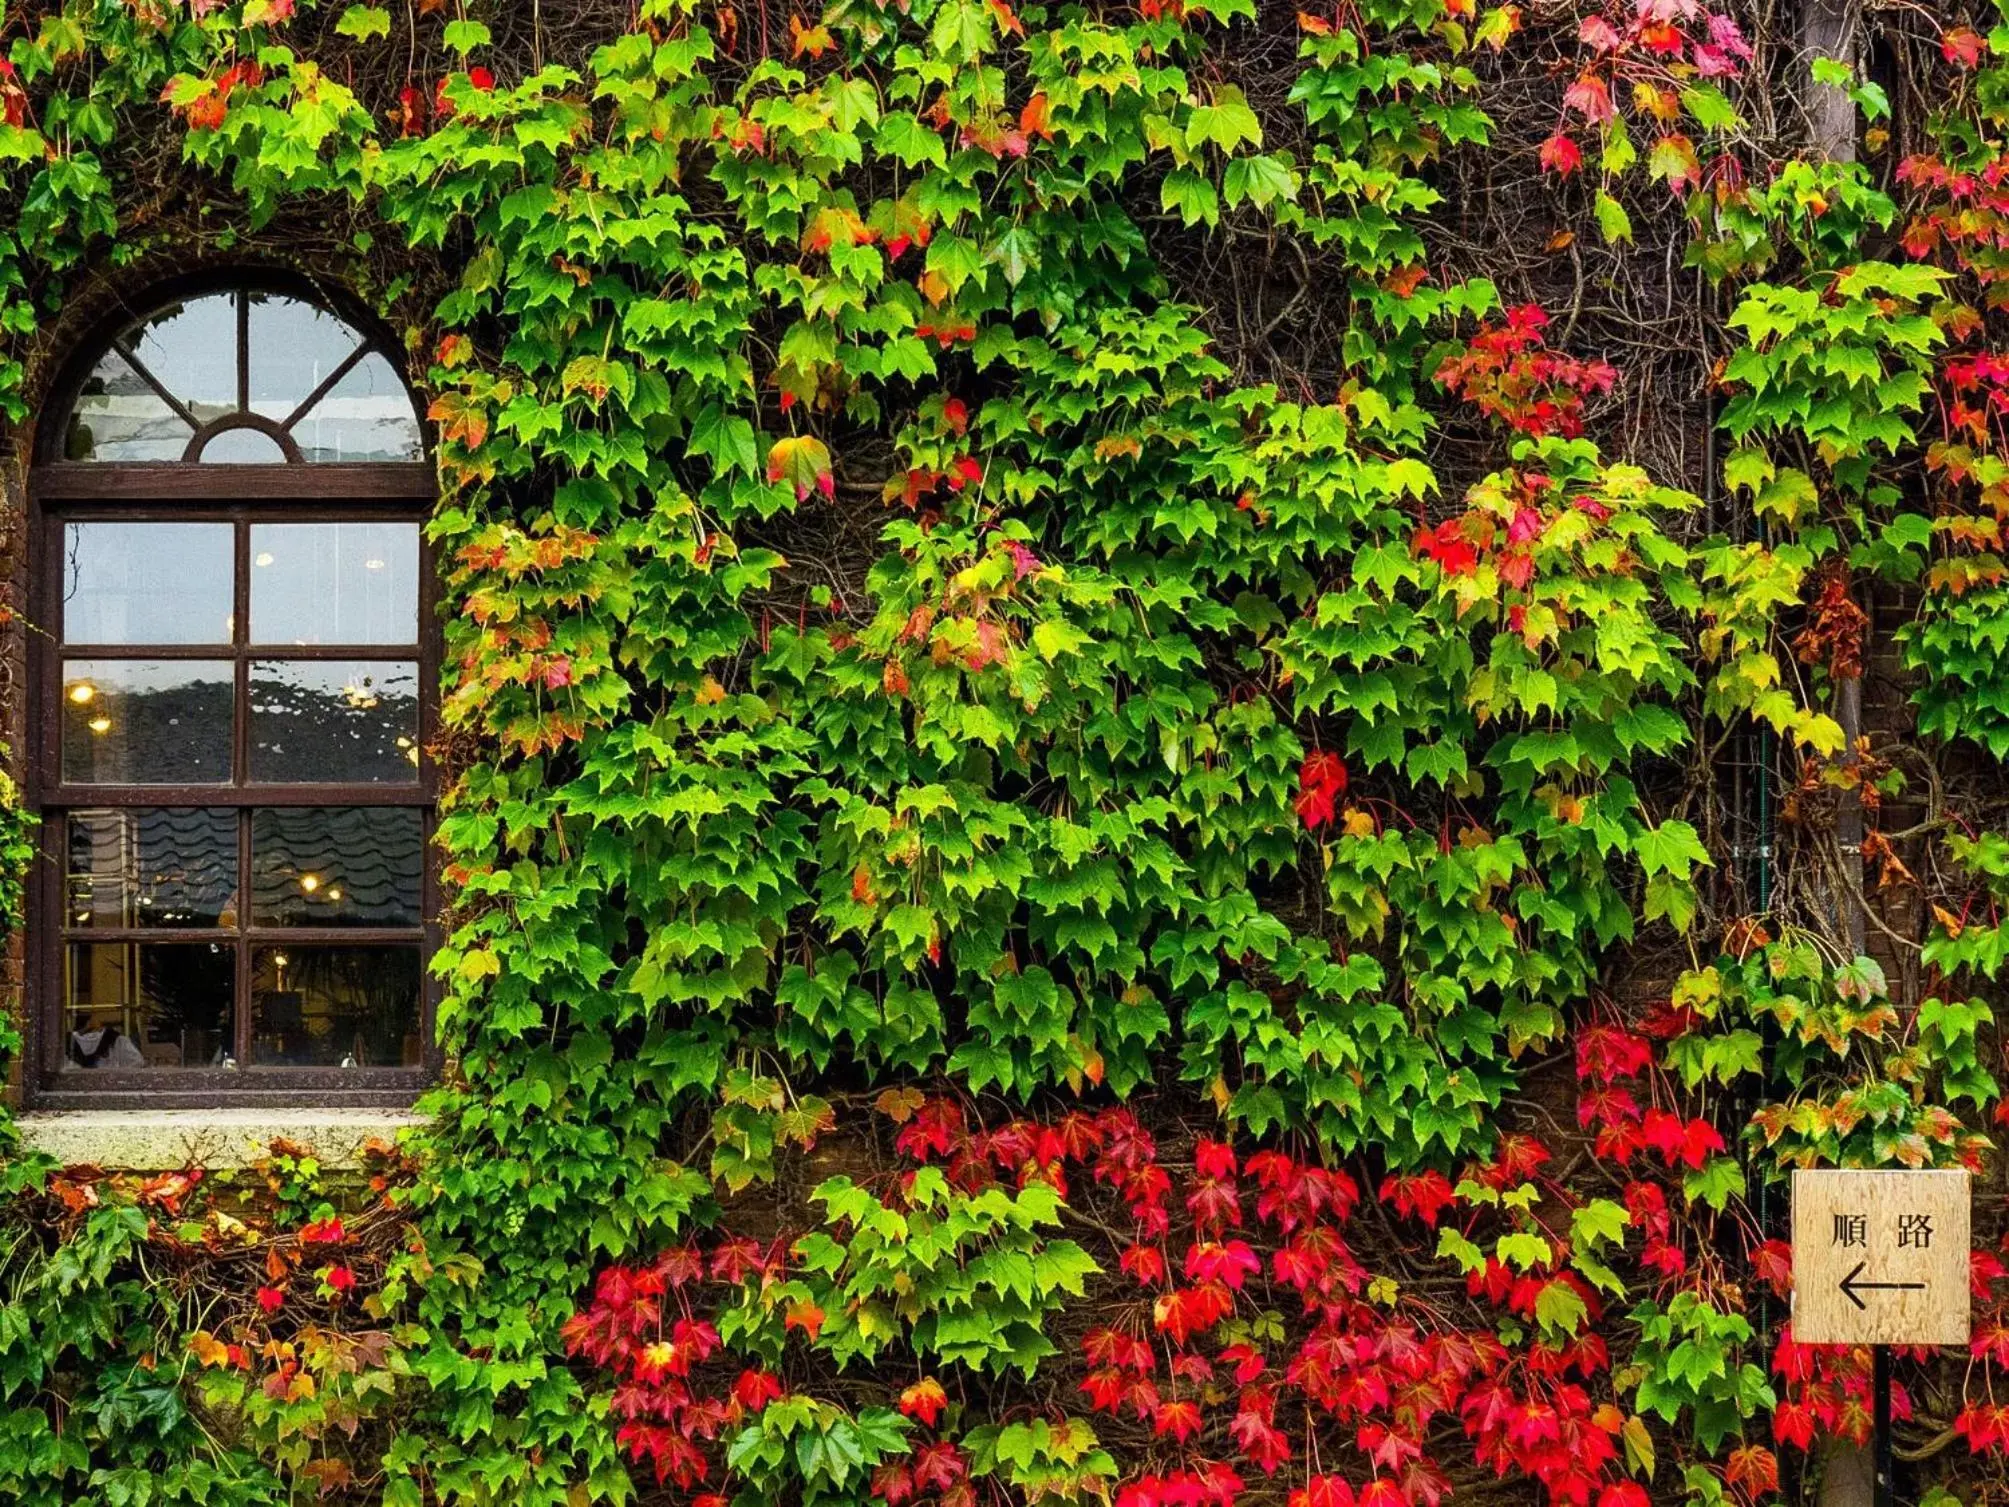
point(1850, 1287)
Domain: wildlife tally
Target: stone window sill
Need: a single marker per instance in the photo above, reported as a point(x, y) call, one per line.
point(163, 1140)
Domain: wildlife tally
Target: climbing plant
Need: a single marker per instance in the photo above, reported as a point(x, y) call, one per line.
point(1089, 854)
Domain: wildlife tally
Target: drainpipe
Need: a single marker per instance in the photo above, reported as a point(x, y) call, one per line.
point(1833, 29)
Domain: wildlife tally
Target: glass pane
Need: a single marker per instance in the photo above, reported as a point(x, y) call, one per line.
point(368, 415)
point(245, 447)
point(294, 346)
point(130, 1006)
point(118, 417)
point(336, 866)
point(191, 349)
point(165, 866)
point(335, 583)
point(335, 722)
point(146, 721)
point(335, 1006)
point(147, 583)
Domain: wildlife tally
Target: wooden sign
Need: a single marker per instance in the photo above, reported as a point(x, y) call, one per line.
point(1880, 1258)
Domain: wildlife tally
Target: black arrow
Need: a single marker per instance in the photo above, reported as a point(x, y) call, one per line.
point(1850, 1287)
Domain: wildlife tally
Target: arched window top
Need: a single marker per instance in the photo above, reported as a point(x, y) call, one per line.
point(242, 376)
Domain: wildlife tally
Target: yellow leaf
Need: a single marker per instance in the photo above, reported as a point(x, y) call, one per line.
point(1638, 1445)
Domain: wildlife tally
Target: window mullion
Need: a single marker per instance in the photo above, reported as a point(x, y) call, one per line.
point(240, 756)
point(241, 975)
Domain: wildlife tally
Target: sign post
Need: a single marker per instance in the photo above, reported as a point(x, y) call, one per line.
point(1880, 1259)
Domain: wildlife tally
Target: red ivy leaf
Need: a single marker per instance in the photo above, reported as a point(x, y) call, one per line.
point(924, 1400)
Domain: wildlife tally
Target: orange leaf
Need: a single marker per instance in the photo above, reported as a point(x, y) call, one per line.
point(805, 1316)
point(899, 1104)
point(1035, 119)
point(811, 40)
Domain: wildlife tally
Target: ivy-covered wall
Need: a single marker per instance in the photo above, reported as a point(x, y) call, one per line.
point(1148, 704)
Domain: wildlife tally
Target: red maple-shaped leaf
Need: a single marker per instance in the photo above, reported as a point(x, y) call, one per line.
point(1186, 1311)
point(938, 1466)
point(1321, 781)
point(1247, 1361)
point(1144, 1262)
point(1561, 155)
point(1793, 1423)
point(1105, 1387)
point(1324, 1491)
point(1421, 1195)
point(1213, 1158)
point(924, 1400)
point(1773, 1263)
point(893, 1484)
point(1607, 1052)
point(1214, 1203)
point(754, 1390)
point(1609, 1106)
point(1963, 46)
point(1179, 1419)
point(1262, 1444)
point(1231, 1263)
point(1753, 1469)
point(1112, 1347)
point(1447, 545)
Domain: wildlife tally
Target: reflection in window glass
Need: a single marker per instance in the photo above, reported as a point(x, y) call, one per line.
point(191, 349)
point(335, 722)
point(366, 416)
point(336, 866)
point(335, 583)
point(147, 583)
point(152, 867)
point(119, 417)
point(315, 1006)
point(295, 347)
point(132, 1006)
point(146, 722)
point(243, 447)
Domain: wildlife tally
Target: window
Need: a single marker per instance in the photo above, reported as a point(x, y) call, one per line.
point(232, 685)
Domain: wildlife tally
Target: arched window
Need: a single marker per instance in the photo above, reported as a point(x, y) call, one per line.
point(232, 689)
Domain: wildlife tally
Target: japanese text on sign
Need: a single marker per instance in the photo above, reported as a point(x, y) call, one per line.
point(1880, 1258)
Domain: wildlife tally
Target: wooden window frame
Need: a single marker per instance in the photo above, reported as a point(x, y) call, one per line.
point(298, 491)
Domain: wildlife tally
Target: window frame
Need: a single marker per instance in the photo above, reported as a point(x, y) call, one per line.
point(62, 491)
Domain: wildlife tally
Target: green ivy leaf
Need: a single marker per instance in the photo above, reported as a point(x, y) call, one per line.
point(364, 22)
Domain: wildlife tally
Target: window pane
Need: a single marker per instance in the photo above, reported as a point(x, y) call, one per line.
point(335, 1006)
point(367, 415)
point(336, 866)
point(335, 722)
point(118, 417)
point(146, 722)
point(147, 583)
point(294, 346)
point(191, 349)
point(165, 866)
point(129, 1006)
point(244, 447)
point(335, 583)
